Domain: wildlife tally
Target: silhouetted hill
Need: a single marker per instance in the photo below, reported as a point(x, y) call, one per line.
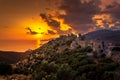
point(105, 35)
point(11, 57)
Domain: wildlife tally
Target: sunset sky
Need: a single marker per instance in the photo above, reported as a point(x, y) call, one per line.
point(27, 24)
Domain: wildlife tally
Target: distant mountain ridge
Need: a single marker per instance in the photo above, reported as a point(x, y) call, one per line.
point(105, 35)
point(11, 57)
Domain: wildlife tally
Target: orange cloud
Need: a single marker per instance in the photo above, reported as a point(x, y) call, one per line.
point(55, 23)
point(103, 21)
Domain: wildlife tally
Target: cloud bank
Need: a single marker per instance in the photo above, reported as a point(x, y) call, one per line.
point(85, 15)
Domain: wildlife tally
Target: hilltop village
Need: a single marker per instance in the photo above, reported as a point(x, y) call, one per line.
point(97, 45)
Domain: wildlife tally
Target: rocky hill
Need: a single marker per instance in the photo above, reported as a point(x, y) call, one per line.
point(48, 50)
point(56, 60)
point(60, 45)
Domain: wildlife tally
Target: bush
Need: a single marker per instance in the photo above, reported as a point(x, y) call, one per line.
point(5, 69)
point(88, 49)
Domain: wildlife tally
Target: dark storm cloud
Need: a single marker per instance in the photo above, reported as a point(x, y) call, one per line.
point(31, 31)
point(61, 32)
point(51, 22)
point(113, 9)
point(110, 6)
point(55, 25)
point(79, 12)
point(51, 32)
